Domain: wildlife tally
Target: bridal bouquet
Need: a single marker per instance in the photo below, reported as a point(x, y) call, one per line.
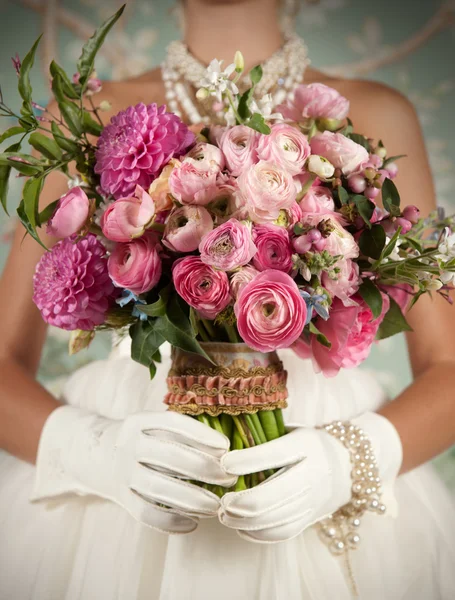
point(229, 242)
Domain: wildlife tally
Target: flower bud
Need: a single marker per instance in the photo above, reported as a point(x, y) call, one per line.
point(388, 227)
point(411, 213)
point(371, 193)
point(302, 244)
point(320, 166)
point(370, 173)
point(105, 106)
point(381, 152)
point(405, 225)
point(432, 285)
point(328, 124)
point(202, 94)
point(239, 61)
point(79, 340)
point(94, 85)
point(357, 183)
point(392, 170)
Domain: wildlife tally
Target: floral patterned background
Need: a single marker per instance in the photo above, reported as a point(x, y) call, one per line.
point(406, 44)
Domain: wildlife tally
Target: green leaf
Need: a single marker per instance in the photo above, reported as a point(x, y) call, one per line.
point(365, 207)
point(391, 198)
point(72, 116)
point(60, 138)
point(11, 132)
point(47, 146)
point(152, 369)
point(66, 85)
point(158, 308)
point(89, 51)
point(24, 86)
point(391, 245)
point(8, 157)
point(319, 336)
point(361, 140)
point(157, 356)
point(392, 159)
point(371, 242)
point(256, 74)
point(30, 196)
point(5, 171)
point(145, 342)
point(243, 107)
point(257, 123)
point(393, 323)
point(26, 223)
point(47, 212)
point(90, 125)
point(372, 296)
point(343, 195)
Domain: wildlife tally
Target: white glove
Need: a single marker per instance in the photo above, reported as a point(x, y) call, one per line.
point(315, 482)
point(141, 463)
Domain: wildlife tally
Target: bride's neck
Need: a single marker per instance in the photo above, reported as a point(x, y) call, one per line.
point(219, 29)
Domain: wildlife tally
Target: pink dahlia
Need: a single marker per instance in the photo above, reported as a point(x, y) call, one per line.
point(72, 288)
point(136, 144)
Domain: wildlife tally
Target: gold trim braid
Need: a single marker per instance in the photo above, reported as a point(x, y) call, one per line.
point(214, 411)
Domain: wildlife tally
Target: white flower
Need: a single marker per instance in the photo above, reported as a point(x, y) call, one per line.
point(75, 181)
point(432, 285)
point(447, 246)
point(264, 106)
point(320, 166)
point(448, 277)
point(217, 81)
point(394, 255)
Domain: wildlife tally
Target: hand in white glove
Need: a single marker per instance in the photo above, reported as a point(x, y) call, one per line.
point(315, 480)
point(141, 463)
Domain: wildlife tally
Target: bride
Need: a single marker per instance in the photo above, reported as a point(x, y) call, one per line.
point(83, 489)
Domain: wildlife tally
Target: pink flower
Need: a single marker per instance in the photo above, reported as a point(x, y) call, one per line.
point(318, 200)
point(136, 265)
point(136, 145)
point(266, 189)
point(192, 182)
point(71, 285)
point(71, 214)
point(186, 227)
point(127, 218)
point(402, 294)
point(159, 189)
point(342, 152)
point(346, 283)
point(203, 288)
point(240, 278)
point(341, 242)
point(228, 247)
point(315, 101)
point(270, 312)
point(351, 331)
point(274, 248)
point(209, 155)
point(286, 147)
point(239, 145)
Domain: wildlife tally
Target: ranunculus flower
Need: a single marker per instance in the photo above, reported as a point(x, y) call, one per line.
point(274, 248)
point(192, 182)
point(315, 101)
point(223, 206)
point(342, 152)
point(285, 146)
point(71, 214)
point(350, 329)
point(266, 189)
point(270, 312)
point(240, 278)
point(341, 242)
point(208, 154)
point(159, 190)
point(239, 146)
point(201, 286)
point(228, 247)
point(127, 218)
point(318, 200)
point(185, 228)
point(136, 265)
point(347, 282)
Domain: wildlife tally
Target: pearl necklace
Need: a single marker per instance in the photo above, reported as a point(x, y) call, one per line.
point(182, 74)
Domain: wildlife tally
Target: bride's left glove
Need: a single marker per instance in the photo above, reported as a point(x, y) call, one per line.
point(143, 463)
point(314, 480)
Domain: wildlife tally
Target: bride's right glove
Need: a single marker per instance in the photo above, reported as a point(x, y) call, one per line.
point(143, 463)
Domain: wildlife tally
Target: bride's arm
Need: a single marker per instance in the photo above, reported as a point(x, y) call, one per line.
point(424, 414)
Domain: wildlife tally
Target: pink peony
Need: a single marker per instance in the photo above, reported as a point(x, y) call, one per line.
point(239, 145)
point(71, 214)
point(135, 146)
point(315, 101)
point(266, 189)
point(342, 152)
point(136, 265)
point(202, 287)
point(71, 285)
point(318, 200)
point(270, 312)
point(240, 278)
point(209, 155)
point(228, 247)
point(274, 248)
point(185, 228)
point(286, 147)
point(127, 218)
point(193, 182)
point(346, 283)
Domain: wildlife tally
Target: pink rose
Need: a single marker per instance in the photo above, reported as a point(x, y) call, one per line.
point(136, 265)
point(266, 189)
point(239, 146)
point(346, 283)
point(202, 287)
point(240, 278)
point(274, 248)
point(286, 147)
point(192, 182)
point(270, 312)
point(71, 214)
point(318, 200)
point(315, 101)
point(228, 247)
point(342, 152)
point(127, 218)
point(185, 228)
point(208, 155)
point(351, 331)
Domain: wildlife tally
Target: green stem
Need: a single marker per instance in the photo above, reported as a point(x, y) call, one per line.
point(231, 102)
point(252, 427)
point(202, 332)
point(237, 444)
point(232, 333)
point(215, 424)
point(241, 431)
point(269, 424)
point(259, 429)
point(256, 426)
point(280, 422)
point(209, 327)
point(241, 484)
point(227, 424)
point(247, 431)
point(204, 419)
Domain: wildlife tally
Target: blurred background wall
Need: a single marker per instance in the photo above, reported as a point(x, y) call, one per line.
point(409, 45)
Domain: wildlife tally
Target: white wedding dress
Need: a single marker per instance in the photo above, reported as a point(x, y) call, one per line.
point(84, 548)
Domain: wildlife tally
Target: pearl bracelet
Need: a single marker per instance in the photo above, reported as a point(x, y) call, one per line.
point(339, 530)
